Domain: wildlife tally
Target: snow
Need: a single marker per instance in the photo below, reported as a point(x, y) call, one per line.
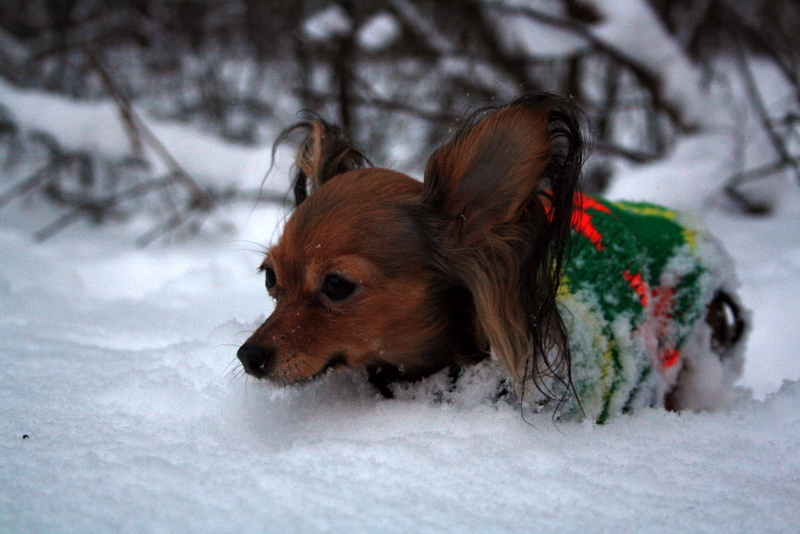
point(631, 27)
point(328, 23)
point(119, 366)
point(378, 32)
point(684, 179)
point(528, 36)
point(96, 127)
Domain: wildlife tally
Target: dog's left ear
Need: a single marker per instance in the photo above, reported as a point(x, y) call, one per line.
point(504, 187)
point(324, 153)
point(486, 174)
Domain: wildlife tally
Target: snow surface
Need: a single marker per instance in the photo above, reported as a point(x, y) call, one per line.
point(119, 366)
point(633, 29)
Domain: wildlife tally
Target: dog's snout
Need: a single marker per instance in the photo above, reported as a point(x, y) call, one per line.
point(256, 360)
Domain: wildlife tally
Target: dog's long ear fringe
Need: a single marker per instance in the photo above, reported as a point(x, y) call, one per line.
point(324, 153)
point(505, 185)
point(551, 361)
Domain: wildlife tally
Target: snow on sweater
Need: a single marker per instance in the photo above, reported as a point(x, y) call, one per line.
point(636, 286)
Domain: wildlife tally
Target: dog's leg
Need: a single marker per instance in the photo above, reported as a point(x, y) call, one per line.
point(724, 316)
point(382, 377)
point(713, 358)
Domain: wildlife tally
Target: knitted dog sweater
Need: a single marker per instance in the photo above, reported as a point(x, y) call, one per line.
point(636, 286)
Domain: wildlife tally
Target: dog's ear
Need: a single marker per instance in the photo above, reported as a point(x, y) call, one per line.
point(485, 174)
point(502, 158)
point(324, 153)
point(505, 186)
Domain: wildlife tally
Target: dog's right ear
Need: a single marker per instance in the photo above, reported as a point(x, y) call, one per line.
point(324, 153)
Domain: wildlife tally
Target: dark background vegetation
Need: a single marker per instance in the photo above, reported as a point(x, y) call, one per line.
point(242, 68)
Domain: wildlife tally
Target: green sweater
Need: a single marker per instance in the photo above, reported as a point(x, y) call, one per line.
point(635, 289)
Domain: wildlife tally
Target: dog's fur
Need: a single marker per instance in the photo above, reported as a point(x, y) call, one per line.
point(376, 270)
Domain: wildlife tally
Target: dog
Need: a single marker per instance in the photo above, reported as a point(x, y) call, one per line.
point(603, 307)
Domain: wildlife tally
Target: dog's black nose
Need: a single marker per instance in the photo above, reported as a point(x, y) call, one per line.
point(256, 360)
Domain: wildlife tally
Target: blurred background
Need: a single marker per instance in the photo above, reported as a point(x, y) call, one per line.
point(109, 108)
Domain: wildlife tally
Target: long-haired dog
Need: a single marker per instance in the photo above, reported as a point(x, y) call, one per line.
point(601, 306)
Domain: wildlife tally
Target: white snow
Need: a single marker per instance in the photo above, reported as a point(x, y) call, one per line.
point(527, 36)
point(119, 366)
point(378, 32)
point(97, 127)
point(695, 168)
point(631, 27)
point(328, 23)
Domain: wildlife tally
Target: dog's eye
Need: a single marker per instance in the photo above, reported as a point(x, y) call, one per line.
point(270, 278)
point(337, 288)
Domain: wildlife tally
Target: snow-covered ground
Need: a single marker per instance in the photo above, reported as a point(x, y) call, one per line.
point(123, 407)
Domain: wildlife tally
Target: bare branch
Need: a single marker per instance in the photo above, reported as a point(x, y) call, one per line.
point(201, 200)
point(754, 95)
point(649, 79)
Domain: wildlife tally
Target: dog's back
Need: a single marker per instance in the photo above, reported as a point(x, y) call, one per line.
point(647, 300)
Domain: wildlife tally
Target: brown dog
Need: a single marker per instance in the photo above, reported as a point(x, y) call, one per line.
point(495, 253)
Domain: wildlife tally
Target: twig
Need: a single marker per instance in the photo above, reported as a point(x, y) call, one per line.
point(635, 156)
point(389, 105)
point(755, 34)
point(20, 188)
point(170, 224)
point(785, 159)
point(62, 223)
point(200, 200)
point(650, 80)
point(422, 26)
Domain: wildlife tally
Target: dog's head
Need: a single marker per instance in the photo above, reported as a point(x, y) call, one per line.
point(377, 270)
